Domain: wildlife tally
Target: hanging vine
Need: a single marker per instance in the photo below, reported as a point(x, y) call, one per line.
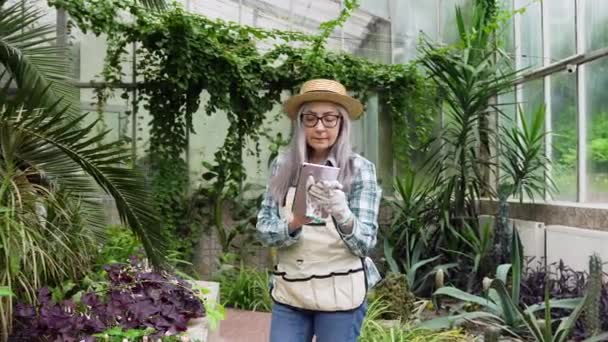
point(182, 54)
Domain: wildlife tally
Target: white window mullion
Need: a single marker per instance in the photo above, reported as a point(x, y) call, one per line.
point(581, 106)
point(519, 98)
point(546, 38)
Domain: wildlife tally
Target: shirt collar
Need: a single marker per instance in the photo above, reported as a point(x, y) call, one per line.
point(331, 160)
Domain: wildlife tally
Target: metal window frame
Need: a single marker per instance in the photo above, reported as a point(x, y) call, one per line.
point(581, 104)
point(546, 53)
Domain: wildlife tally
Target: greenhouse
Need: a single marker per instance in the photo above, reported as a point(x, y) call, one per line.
point(303, 170)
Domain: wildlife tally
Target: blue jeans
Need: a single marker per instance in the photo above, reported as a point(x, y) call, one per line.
point(294, 325)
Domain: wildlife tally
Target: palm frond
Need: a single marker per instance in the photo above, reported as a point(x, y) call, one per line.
point(71, 157)
point(33, 61)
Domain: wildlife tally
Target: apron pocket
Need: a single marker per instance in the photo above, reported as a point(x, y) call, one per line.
point(334, 292)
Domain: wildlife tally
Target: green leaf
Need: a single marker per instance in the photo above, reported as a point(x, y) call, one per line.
point(37, 67)
point(567, 325)
point(569, 303)
point(53, 142)
point(388, 254)
point(516, 254)
point(450, 322)
point(502, 272)
point(509, 308)
point(5, 291)
point(466, 297)
point(597, 338)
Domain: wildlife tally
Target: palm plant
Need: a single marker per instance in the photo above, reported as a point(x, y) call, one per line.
point(468, 78)
point(53, 168)
point(523, 168)
point(478, 243)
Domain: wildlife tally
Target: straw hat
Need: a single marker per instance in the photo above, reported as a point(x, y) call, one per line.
point(323, 90)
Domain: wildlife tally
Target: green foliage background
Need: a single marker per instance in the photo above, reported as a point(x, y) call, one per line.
point(181, 54)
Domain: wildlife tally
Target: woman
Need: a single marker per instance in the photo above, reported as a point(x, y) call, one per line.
point(320, 283)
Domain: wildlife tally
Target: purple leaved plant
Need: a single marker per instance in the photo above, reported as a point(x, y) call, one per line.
point(563, 283)
point(136, 299)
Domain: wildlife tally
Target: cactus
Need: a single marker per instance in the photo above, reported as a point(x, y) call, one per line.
point(594, 288)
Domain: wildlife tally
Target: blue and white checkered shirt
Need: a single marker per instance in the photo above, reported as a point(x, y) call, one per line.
point(364, 202)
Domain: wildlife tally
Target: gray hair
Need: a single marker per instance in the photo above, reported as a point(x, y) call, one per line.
point(289, 161)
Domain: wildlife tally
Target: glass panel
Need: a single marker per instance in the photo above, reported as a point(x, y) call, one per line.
point(508, 35)
point(596, 24)
point(564, 136)
point(449, 27)
point(533, 96)
point(531, 34)
point(561, 28)
point(375, 45)
point(117, 123)
point(413, 16)
point(424, 14)
point(379, 8)
point(597, 131)
point(506, 104)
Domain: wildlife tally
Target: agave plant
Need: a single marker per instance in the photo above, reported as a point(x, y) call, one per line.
point(54, 169)
point(417, 270)
point(499, 306)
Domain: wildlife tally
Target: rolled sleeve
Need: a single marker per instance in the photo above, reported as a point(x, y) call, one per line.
point(364, 202)
point(272, 229)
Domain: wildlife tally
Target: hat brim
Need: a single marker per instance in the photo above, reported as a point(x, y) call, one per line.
point(353, 106)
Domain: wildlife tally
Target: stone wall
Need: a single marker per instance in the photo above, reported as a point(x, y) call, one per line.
point(554, 214)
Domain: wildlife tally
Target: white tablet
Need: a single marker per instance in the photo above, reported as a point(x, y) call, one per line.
point(301, 205)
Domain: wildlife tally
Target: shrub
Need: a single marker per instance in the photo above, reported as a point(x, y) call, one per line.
point(244, 287)
point(393, 291)
point(119, 246)
point(373, 331)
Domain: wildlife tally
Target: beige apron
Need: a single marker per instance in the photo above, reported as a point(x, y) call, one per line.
point(318, 272)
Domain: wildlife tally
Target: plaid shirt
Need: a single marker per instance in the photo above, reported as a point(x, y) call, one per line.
point(363, 200)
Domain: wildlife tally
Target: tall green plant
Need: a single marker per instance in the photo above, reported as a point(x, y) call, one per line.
point(523, 167)
point(54, 169)
point(468, 77)
point(479, 246)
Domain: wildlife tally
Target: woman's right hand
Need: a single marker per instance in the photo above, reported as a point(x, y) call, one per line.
point(298, 221)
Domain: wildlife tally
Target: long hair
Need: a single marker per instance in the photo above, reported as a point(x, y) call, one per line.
point(296, 153)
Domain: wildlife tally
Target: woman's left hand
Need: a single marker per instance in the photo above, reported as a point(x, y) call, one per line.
point(330, 192)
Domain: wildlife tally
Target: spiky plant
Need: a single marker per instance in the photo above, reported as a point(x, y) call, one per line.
point(54, 169)
point(594, 291)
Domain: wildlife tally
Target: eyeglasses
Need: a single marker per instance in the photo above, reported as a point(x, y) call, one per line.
point(329, 121)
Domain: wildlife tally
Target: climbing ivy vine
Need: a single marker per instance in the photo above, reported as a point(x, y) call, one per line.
point(181, 54)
